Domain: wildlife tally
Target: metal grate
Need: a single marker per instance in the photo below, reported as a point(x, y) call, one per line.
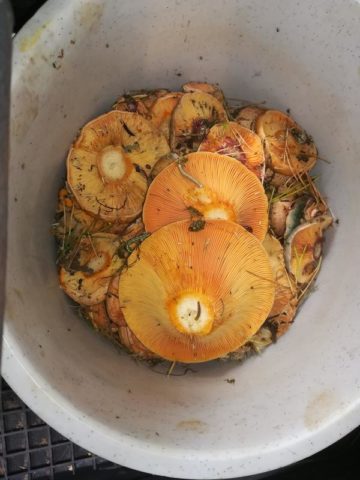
point(30, 449)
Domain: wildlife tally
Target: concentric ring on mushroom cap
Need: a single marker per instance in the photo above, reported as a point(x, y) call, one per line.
point(109, 163)
point(230, 192)
point(195, 296)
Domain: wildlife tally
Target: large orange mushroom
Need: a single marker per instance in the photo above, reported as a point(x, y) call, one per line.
point(196, 296)
point(225, 189)
point(109, 163)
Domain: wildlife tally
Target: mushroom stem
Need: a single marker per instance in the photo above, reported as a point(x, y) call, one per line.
point(113, 165)
point(192, 314)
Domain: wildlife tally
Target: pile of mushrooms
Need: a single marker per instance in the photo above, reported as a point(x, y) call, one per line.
point(190, 229)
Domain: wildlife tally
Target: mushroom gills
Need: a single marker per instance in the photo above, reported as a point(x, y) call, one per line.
point(195, 296)
point(228, 191)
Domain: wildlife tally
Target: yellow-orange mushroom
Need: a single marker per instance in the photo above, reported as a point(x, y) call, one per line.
point(247, 116)
point(196, 296)
point(230, 138)
point(139, 102)
point(228, 191)
point(109, 163)
point(289, 149)
point(162, 110)
point(303, 249)
point(204, 87)
point(192, 118)
point(86, 276)
point(284, 307)
point(98, 316)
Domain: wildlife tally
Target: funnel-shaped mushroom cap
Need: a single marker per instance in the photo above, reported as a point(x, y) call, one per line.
point(290, 150)
point(229, 192)
point(109, 163)
point(195, 296)
point(230, 138)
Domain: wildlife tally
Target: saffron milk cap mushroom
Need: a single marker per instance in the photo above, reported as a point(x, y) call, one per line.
point(196, 296)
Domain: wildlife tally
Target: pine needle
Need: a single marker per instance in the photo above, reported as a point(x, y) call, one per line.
point(171, 369)
point(188, 176)
point(311, 281)
point(274, 282)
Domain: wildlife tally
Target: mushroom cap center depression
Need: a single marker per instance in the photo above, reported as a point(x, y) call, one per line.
point(113, 164)
point(192, 313)
point(207, 203)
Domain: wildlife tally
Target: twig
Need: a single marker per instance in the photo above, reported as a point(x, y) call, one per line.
point(172, 366)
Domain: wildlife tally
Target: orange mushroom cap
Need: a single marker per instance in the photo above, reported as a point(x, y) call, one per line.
point(247, 116)
point(195, 296)
point(162, 110)
point(289, 149)
point(204, 87)
point(85, 277)
point(229, 192)
point(194, 114)
point(230, 138)
point(109, 163)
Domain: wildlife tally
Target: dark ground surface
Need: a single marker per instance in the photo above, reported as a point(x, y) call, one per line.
point(30, 449)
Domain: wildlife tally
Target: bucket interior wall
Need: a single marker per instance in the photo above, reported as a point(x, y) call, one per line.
point(70, 63)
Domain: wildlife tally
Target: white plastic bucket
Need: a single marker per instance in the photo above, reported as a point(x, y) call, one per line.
point(70, 62)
